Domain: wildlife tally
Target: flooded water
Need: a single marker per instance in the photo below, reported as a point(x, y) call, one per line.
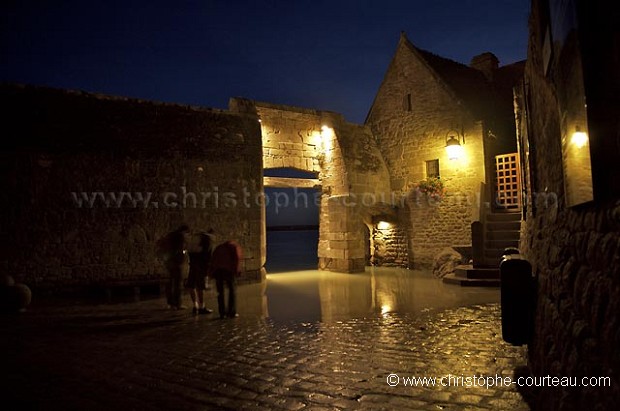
point(292, 250)
point(296, 290)
point(312, 295)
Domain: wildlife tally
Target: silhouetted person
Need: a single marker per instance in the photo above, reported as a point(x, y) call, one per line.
point(225, 267)
point(173, 250)
point(198, 267)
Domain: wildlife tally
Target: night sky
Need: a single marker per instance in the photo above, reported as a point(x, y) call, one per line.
point(328, 55)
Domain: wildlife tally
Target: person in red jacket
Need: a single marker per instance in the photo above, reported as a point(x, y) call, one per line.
point(225, 267)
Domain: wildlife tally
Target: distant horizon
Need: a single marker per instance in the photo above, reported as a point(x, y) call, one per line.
point(293, 227)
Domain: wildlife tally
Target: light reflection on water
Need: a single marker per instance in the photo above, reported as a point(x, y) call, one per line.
point(312, 295)
point(296, 291)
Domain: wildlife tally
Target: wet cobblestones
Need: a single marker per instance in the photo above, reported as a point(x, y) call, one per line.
point(141, 356)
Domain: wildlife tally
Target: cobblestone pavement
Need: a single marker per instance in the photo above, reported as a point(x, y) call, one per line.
point(142, 356)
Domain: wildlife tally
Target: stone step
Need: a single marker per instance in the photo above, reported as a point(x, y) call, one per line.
point(501, 244)
point(503, 226)
point(503, 217)
point(503, 235)
point(511, 209)
point(491, 262)
point(471, 282)
point(471, 272)
point(493, 258)
point(493, 253)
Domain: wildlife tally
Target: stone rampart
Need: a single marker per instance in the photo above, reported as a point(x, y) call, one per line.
point(90, 182)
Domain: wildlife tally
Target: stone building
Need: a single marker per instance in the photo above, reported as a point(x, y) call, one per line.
point(90, 182)
point(423, 102)
point(569, 137)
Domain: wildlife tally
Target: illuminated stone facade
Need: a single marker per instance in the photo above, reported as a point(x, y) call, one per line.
point(424, 99)
point(350, 170)
point(94, 180)
point(574, 249)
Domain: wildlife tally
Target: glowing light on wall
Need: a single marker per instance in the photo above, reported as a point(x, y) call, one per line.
point(579, 138)
point(383, 225)
point(577, 165)
point(454, 148)
point(327, 134)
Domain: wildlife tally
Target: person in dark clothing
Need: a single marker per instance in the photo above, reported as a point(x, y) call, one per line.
point(173, 250)
point(225, 268)
point(198, 267)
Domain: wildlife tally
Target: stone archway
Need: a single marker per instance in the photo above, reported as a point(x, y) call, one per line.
point(350, 170)
point(292, 211)
point(303, 140)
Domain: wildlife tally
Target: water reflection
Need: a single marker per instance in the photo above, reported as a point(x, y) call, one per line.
point(309, 296)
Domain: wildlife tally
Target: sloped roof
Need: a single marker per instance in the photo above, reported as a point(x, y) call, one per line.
point(469, 85)
point(509, 75)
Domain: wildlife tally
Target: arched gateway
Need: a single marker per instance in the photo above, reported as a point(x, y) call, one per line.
point(352, 176)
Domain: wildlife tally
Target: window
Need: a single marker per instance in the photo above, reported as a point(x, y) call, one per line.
point(407, 102)
point(432, 168)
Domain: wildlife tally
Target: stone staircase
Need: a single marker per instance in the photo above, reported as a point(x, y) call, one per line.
point(499, 231)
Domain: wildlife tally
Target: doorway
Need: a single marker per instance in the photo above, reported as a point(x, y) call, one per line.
point(292, 220)
point(507, 182)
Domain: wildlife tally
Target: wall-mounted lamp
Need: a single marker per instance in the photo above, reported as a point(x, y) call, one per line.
point(579, 138)
point(383, 225)
point(327, 131)
point(327, 137)
point(454, 148)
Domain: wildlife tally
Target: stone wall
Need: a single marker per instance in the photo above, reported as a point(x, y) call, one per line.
point(389, 243)
point(90, 182)
point(574, 251)
point(408, 138)
point(436, 225)
point(363, 197)
point(349, 167)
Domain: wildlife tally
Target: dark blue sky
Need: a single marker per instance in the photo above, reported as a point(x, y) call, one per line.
point(328, 55)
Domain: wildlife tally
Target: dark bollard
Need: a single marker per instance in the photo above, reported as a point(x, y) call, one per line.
point(15, 298)
point(517, 298)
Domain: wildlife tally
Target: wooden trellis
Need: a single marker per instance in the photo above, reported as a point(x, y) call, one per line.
point(508, 181)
